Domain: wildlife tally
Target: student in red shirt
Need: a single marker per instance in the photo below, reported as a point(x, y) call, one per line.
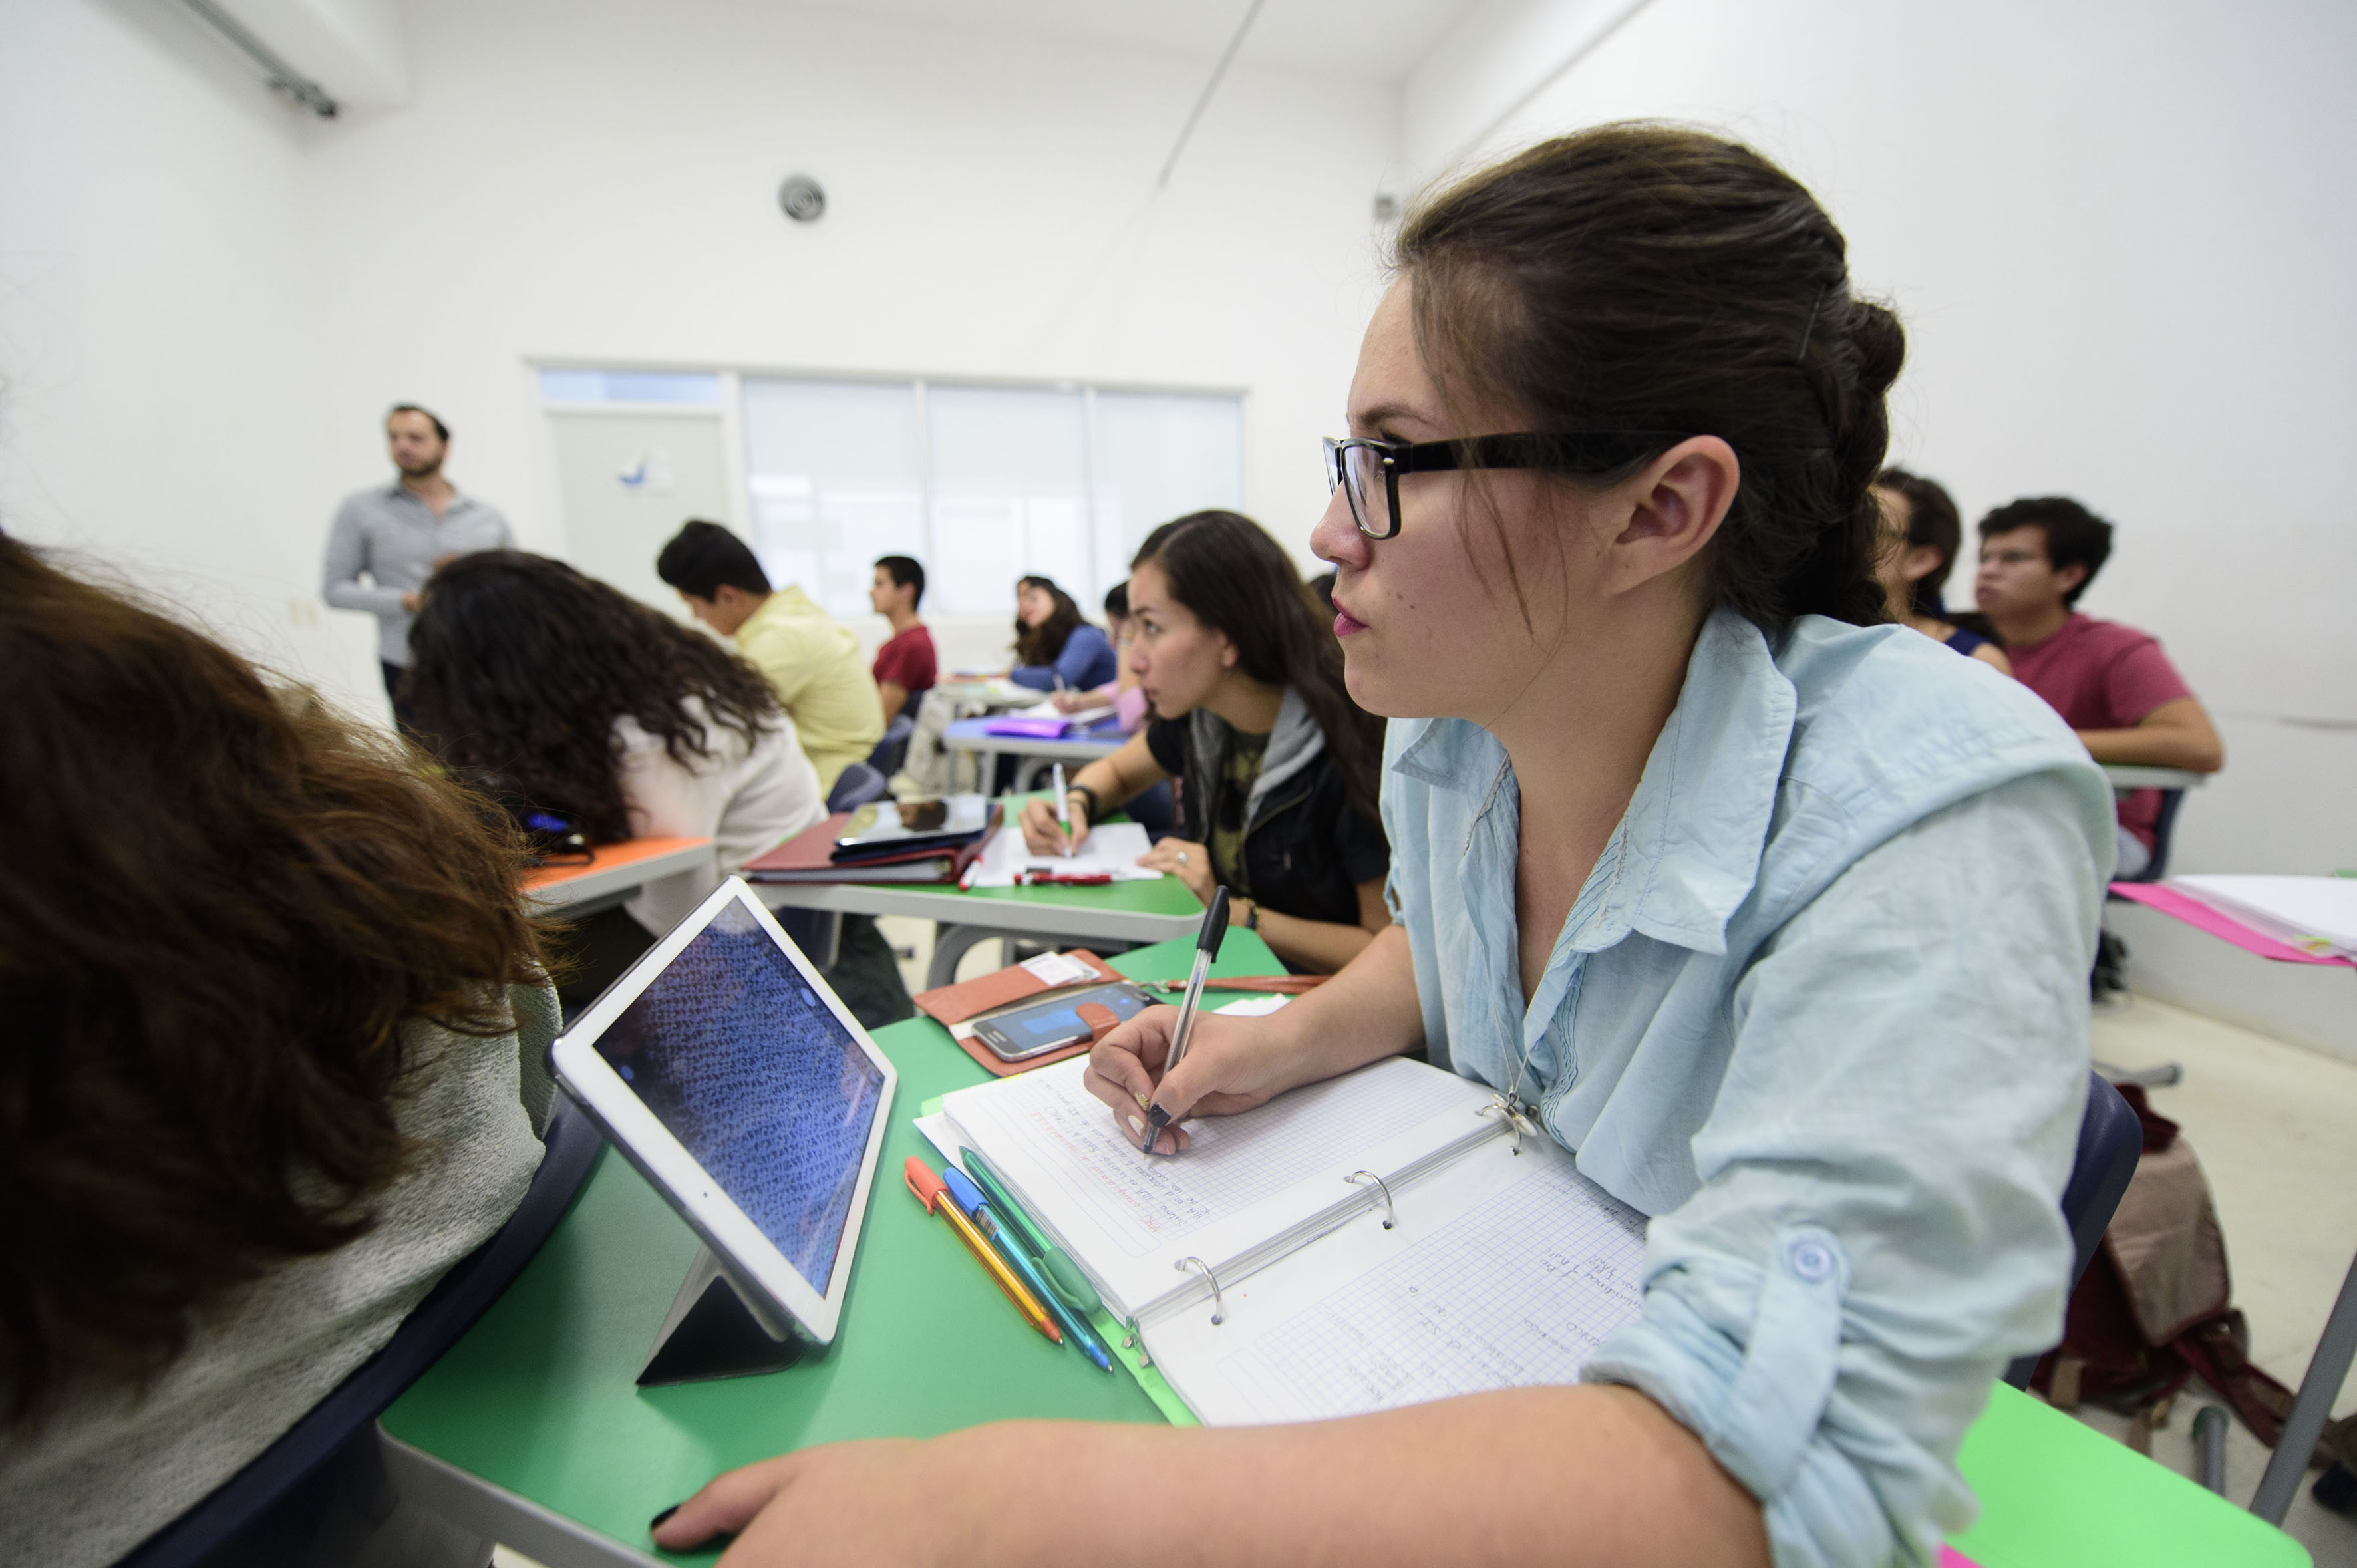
point(904, 665)
point(2110, 682)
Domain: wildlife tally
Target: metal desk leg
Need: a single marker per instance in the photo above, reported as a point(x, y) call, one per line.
point(2327, 1370)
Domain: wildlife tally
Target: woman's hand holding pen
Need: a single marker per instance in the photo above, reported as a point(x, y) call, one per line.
point(1042, 835)
point(1231, 1064)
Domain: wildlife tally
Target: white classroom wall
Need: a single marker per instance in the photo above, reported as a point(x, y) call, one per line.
point(595, 181)
point(160, 368)
point(2117, 234)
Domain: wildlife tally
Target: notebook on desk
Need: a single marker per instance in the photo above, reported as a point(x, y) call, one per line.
point(1271, 1276)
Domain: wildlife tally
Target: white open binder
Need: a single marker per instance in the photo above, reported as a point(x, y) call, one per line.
point(1379, 1240)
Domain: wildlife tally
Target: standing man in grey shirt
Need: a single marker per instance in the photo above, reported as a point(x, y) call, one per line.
point(394, 535)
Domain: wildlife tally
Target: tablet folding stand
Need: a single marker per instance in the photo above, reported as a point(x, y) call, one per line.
point(713, 1330)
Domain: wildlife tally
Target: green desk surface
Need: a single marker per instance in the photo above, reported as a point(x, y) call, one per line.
point(2056, 1494)
point(538, 1398)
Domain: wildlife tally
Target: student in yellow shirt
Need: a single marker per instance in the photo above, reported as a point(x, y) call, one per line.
point(811, 659)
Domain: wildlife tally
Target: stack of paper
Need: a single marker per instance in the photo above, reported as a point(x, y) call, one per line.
point(2315, 914)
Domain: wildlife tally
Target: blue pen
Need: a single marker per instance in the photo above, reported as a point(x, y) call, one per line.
point(976, 1208)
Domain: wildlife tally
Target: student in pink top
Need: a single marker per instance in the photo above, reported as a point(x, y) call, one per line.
point(2110, 682)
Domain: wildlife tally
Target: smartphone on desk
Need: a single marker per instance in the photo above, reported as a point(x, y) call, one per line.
point(1049, 1026)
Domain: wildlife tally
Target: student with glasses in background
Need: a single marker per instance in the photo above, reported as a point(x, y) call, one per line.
point(1273, 765)
point(1776, 917)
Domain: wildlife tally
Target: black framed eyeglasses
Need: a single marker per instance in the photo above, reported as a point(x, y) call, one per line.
point(1369, 471)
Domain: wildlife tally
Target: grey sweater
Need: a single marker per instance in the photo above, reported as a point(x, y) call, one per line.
point(113, 1466)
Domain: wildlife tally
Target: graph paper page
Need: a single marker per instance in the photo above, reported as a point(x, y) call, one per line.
point(1244, 1179)
point(1503, 1272)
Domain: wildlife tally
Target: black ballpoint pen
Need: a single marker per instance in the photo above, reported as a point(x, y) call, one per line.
point(1207, 950)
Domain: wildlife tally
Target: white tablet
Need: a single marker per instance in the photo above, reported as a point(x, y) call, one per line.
point(728, 1073)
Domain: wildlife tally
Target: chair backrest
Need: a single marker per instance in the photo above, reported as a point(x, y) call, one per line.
point(893, 750)
point(2111, 1141)
point(858, 783)
point(215, 1533)
point(2162, 826)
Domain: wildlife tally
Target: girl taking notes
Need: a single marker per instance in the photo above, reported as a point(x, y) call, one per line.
point(1275, 766)
point(1777, 917)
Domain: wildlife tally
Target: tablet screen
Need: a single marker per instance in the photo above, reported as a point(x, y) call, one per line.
point(743, 1063)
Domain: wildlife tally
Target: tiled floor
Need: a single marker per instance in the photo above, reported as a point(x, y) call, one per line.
point(2276, 1127)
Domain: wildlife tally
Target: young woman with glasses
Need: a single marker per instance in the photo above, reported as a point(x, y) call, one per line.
point(1777, 917)
point(1273, 764)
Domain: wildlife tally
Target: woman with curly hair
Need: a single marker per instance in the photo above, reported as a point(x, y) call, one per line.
point(570, 696)
point(271, 1032)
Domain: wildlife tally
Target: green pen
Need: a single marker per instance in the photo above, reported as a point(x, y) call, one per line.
point(1062, 1271)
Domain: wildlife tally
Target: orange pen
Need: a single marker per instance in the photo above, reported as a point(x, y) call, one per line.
point(930, 1191)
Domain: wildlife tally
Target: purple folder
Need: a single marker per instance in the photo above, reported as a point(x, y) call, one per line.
point(1030, 729)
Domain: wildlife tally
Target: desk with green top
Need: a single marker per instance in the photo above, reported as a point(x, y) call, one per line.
point(531, 1432)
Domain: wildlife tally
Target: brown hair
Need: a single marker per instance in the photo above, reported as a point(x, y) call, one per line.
point(1932, 521)
point(520, 665)
point(216, 913)
point(1044, 643)
point(1239, 581)
point(1645, 277)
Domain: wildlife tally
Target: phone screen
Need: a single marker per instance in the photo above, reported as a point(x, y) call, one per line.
point(1032, 1030)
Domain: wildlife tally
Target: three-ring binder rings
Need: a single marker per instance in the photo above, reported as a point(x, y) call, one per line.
point(1371, 1241)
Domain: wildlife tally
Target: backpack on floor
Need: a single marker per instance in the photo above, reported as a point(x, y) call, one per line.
point(2154, 1308)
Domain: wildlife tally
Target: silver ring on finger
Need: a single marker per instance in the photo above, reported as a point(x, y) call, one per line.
point(1182, 857)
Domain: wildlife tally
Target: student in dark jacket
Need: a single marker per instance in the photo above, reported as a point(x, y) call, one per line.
point(1273, 765)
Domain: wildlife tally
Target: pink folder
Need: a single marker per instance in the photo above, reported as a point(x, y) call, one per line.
point(2225, 928)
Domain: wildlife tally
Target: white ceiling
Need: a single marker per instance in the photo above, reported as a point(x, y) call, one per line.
point(1380, 40)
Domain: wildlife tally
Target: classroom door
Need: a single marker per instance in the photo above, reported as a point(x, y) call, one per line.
point(627, 482)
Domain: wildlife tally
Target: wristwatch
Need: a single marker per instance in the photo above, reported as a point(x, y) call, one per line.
point(1087, 794)
point(1251, 914)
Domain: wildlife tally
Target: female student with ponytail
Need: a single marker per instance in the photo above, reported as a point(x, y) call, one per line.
point(1275, 765)
point(1778, 918)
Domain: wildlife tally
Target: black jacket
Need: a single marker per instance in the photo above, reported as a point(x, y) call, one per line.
point(1306, 847)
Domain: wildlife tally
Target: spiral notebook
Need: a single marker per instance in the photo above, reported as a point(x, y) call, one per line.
point(1378, 1240)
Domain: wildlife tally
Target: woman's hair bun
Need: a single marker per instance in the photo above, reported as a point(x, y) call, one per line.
point(1650, 277)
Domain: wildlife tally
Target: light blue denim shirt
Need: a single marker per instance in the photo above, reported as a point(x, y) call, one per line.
point(1821, 1011)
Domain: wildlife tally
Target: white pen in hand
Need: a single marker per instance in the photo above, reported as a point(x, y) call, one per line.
point(1207, 952)
point(1063, 805)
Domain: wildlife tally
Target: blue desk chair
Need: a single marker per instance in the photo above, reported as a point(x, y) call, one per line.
point(893, 750)
point(2162, 827)
point(2111, 1141)
point(2112, 954)
point(265, 1514)
point(858, 784)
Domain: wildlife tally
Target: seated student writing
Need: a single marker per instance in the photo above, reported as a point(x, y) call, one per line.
point(1777, 917)
point(586, 702)
point(809, 658)
point(1275, 765)
point(904, 667)
point(2110, 682)
point(1055, 649)
point(1921, 533)
point(275, 1022)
